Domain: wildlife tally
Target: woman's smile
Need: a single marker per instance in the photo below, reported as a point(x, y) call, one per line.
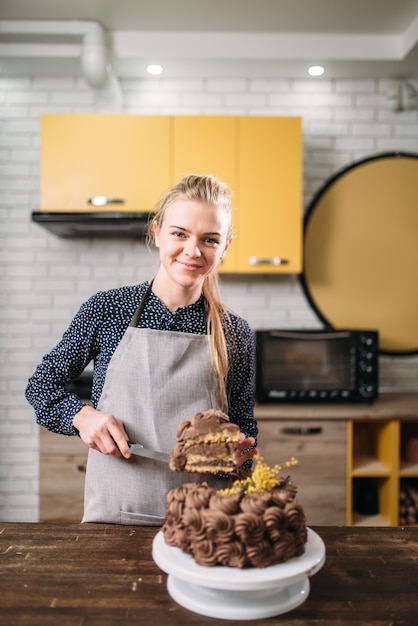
point(188, 266)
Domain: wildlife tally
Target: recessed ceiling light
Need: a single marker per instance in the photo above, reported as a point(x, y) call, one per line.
point(316, 70)
point(154, 69)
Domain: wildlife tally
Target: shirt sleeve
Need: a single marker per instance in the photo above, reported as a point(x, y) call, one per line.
point(241, 379)
point(54, 406)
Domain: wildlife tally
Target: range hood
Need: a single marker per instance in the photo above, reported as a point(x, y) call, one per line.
point(94, 224)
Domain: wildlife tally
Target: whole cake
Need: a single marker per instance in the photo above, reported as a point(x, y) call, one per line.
point(206, 444)
point(254, 523)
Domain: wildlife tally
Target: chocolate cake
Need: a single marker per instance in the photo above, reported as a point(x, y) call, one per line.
point(206, 444)
point(254, 523)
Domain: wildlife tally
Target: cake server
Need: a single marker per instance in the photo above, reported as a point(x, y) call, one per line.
point(139, 450)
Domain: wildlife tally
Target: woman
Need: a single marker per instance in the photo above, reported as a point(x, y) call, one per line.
point(162, 351)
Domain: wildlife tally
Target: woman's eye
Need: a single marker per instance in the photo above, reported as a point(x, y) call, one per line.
point(207, 241)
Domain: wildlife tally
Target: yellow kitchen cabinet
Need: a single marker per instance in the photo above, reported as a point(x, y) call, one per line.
point(207, 145)
point(261, 160)
point(124, 158)
point(132, 159)
point(269, 217)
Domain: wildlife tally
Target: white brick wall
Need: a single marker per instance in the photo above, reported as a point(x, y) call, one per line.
point(44, 279)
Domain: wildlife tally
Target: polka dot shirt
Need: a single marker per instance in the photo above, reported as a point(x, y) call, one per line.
point(93, 336)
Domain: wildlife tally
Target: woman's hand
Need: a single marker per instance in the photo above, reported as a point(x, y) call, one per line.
point(246, 449)
point(101, 431)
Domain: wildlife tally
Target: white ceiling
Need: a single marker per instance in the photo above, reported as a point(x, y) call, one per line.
point(266, 38)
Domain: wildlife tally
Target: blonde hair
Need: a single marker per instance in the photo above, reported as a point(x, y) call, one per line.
point(214, 193)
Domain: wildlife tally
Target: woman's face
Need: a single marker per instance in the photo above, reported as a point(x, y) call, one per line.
point(192, 240)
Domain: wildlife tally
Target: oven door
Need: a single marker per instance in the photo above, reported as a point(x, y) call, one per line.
point(305, 366)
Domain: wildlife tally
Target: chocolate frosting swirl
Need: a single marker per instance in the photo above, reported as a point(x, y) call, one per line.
point(249, 528)
point(255, 503)
point(255, 530)
point(204, 552)
point(203, 423)
point(275, 521)
point(232, 554)
point(230, 505)
point(198, 497)
point(218, 525)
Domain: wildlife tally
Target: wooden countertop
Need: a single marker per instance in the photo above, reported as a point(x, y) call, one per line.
point(387, 406)
point(104, 575)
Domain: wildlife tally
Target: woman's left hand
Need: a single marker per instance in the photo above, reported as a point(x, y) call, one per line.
point(246, 449)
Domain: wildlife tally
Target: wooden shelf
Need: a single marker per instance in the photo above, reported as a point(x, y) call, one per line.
point(369, 520)
point(369, 467)
point(408, 469)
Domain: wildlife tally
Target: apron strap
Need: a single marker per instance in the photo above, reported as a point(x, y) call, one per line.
point(138, 312)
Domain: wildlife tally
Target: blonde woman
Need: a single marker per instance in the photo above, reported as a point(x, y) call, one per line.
point(162, 351)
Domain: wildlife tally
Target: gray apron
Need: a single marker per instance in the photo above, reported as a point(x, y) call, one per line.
point(155, 379)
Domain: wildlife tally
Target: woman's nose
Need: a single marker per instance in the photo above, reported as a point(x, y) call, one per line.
point(192, 248)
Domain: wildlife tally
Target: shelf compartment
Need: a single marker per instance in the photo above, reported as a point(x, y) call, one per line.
point(408, 452)
point(373, 448)
point(408, 502)
point(371, 501)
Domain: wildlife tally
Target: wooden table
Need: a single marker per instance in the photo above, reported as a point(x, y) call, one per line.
point(97, 574)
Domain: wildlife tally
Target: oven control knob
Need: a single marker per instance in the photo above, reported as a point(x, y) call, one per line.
point(365, 368)
point(366, 355)
point(367, 340)
point(366, 390)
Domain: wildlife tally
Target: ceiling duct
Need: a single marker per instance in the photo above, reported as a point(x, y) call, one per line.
point(87, 40)
point(95, 57)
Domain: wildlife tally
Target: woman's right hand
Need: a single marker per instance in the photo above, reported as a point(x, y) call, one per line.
point(101, 431)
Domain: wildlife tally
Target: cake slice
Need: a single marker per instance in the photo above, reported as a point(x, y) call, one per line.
point(206, 444)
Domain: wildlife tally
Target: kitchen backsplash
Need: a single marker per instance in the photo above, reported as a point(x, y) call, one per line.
point(44, 279)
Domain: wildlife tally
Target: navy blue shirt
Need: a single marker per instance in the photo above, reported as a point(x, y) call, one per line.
point(94, 334)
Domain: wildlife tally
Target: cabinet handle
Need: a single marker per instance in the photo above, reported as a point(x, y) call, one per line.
point(301, 430)
point(103, 200)
point(276, 261)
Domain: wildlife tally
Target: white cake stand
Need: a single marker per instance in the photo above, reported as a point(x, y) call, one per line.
point(233, 593)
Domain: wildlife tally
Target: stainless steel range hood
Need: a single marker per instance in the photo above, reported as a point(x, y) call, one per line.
point(95, 224)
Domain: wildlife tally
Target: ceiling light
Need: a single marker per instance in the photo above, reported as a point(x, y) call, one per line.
point(316, 70)
point(154, 69)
